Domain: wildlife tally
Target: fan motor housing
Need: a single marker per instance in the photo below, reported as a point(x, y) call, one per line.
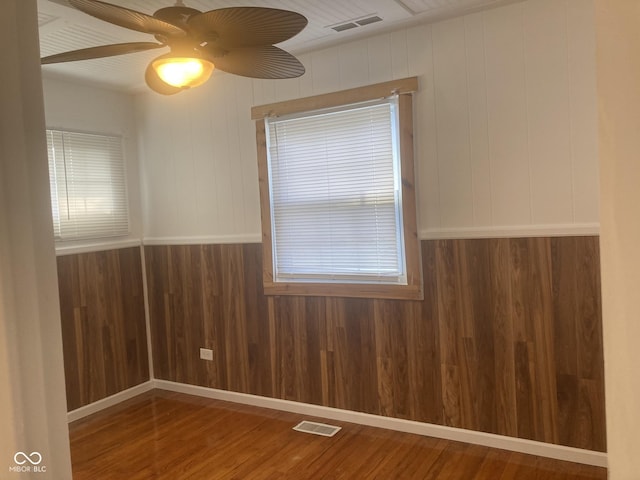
point(175, 15)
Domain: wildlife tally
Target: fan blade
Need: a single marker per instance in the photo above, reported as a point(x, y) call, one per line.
point(264, 61)
point(247, 26)
point(156, 84)
point(127, 18)
point(100, 52)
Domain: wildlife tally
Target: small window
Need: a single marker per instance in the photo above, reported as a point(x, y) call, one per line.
point(88, 186)
point(340, 204)
point(336, 202)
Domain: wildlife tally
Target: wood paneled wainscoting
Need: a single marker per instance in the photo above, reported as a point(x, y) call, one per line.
point(508, 339)
point(103, 324)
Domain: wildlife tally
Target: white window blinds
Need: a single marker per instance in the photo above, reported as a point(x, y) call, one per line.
point(335, 195)
point(88, 187)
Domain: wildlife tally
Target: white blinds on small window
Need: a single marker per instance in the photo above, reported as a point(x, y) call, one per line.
point(88, 187)
point(335, 195)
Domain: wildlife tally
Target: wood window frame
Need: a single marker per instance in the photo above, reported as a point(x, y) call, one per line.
point(413, 289)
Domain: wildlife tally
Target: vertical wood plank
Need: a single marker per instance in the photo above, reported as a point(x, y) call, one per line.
point(384, 358)
point(449, 325)
point(589, 346)
point(313, 320)
point(485, 350)
point(103, 324)
point(234, 318)
point(210, 284)
point(424, 346)
point(258, 333)
point(502, 312)
point(72, 328)
point(535, 362)
point(284, 318)
point(482, 363)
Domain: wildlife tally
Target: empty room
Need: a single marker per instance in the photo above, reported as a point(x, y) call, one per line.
point(390, 239)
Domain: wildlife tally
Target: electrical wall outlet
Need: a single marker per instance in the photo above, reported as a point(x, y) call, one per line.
point(206, 354)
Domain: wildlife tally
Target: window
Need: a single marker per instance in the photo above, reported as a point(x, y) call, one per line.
point(88, 188)
point(338, 203)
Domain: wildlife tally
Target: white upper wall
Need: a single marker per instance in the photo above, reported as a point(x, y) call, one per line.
point(506, 130)
point(83, 108)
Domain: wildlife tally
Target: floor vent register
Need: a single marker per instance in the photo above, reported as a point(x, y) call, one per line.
point(317, 428)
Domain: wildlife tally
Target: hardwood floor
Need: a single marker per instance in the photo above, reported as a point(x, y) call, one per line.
point(164, 435)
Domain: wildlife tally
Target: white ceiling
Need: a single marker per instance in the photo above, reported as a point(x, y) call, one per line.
point(63, 28)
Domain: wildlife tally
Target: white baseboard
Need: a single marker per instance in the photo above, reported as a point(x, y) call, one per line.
point(110, 401)
point(530, 447)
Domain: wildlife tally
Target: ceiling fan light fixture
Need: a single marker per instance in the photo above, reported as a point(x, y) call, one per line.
point(236, 40)
point(183, 72)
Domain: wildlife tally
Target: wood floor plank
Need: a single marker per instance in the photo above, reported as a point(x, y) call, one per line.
point(165, 435)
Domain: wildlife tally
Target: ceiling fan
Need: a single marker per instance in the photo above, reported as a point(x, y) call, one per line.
point(238, 40)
